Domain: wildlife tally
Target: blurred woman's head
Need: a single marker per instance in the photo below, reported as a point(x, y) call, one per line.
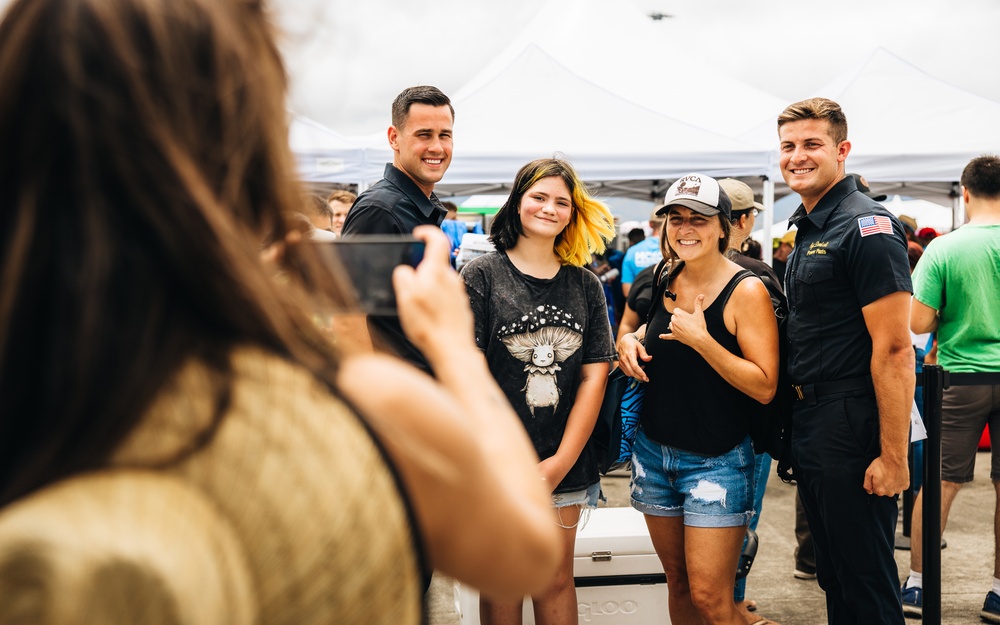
point(144, 162)
point(148, 103)
point(590, 226)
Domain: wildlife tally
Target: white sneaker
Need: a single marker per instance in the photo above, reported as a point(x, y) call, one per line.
point(800, 574)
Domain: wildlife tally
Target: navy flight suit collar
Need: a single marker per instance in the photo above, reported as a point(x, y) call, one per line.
point(824, 208)
point(427, 206)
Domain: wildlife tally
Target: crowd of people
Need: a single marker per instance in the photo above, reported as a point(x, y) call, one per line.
point(182, 442)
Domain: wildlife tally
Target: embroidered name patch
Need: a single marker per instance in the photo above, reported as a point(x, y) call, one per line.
point(875, 224)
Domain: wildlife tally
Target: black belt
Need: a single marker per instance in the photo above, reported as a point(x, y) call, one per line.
point(822, 389)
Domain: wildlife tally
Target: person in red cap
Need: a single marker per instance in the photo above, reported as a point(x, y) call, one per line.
point(925, 236)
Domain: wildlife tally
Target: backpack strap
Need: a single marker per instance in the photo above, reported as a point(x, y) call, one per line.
point(660, 285)
point(733, 282)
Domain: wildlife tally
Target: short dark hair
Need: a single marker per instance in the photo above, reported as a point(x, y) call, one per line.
point(752, 249)
point(638, 235)
point(734, 217)
point(981, 177)
point(423, 94)
point(817, 108)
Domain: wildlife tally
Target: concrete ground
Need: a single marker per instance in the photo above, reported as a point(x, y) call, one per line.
point(967, 562)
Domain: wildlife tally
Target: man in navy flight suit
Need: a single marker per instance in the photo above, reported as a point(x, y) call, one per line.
point(848, 288)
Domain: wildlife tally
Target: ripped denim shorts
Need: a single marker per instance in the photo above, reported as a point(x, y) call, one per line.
point(708, 491)
point(584, 500)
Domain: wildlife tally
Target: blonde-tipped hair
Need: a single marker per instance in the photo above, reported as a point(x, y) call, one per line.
point(590, 227)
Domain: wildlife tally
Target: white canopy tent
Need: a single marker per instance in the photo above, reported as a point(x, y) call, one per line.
point(322, 155)
point(927, 214)
point(616, 45)
point(347, 60)
point(606, 64)
point(911, 134)
point(535, 107)
point(906, 126)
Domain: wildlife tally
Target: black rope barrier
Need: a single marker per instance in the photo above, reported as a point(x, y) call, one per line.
point(935, 380)
point(933, 386)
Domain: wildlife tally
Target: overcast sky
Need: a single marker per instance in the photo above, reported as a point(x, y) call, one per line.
point(348, 59)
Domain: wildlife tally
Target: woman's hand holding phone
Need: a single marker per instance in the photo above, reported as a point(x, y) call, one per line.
point(432, 301)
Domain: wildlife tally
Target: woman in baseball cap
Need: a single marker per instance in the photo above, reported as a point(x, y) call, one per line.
point(710, 350)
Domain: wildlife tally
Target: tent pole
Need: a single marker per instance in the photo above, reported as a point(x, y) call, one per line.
point(957, 206)
point(768, 202)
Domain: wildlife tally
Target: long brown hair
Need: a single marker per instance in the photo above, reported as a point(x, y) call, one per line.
point(144, 160)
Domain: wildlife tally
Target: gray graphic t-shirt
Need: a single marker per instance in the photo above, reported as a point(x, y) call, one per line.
point(537, 334)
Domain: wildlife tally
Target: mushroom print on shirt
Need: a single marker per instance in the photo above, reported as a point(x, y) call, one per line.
point(542, 338)
point(537, 334)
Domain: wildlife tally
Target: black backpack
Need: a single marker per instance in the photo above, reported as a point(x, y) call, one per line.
point(771, 424)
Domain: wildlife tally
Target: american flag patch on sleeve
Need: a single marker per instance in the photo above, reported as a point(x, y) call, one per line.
point(875, 224)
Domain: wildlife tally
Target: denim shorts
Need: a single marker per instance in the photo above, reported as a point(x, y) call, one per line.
point(585, 499)
point(708, 491)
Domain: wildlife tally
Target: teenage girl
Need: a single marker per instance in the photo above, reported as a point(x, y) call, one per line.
point(541, 320)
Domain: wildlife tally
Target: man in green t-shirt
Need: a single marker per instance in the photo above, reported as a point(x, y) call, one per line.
point(956, 291)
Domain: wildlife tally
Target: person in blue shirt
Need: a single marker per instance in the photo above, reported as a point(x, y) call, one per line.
point(644, 254)
point(456, 228)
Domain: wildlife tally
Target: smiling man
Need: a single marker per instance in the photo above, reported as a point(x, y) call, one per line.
point(421, 139)
point(848, 289)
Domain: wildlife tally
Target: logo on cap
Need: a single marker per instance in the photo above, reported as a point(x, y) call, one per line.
point(689, 185)
point(700, 193)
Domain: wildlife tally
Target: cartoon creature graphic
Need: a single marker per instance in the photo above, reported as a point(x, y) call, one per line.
point(542, 338)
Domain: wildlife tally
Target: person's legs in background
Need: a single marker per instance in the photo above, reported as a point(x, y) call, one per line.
point(762, 469)
point(965, 411)
point(991, 607)
point(805, 554)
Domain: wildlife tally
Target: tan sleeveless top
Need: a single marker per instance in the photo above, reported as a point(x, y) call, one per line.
point(290, 515)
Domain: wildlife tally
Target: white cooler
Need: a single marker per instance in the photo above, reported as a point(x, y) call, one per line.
point(619, 579)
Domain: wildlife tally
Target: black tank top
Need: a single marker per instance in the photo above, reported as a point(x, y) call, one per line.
point(688, 405)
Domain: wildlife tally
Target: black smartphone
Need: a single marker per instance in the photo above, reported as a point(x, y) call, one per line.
point(369, 261)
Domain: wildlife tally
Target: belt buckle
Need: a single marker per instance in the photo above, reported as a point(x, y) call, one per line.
point(798, 391)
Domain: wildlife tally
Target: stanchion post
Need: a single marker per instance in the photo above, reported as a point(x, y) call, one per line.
point(933, 387)
point(908, 496)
